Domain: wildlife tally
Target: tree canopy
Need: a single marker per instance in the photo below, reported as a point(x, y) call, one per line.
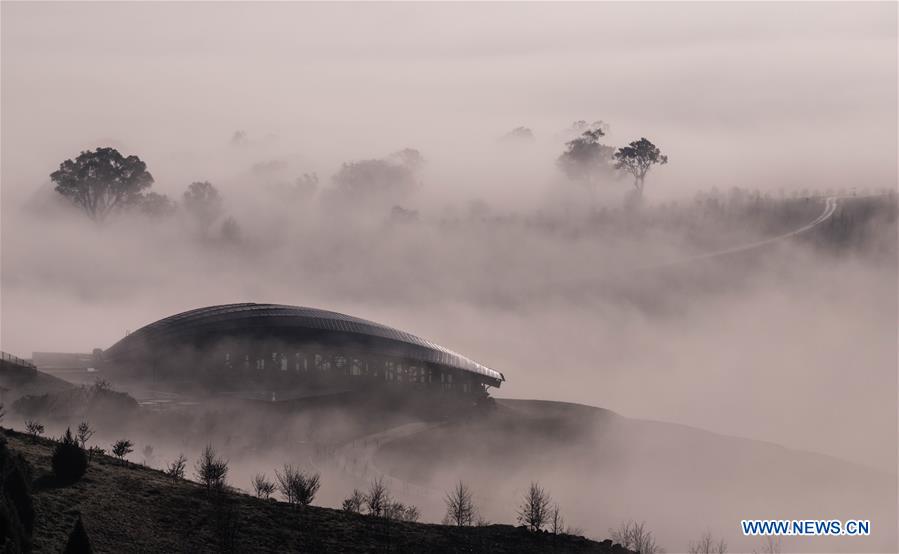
point(585, 157)
point(637, 158)
point(374, 177)
point(101, 181)
point(203, 201)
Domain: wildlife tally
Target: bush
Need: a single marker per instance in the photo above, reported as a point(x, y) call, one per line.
point(397, 511)
point(354, 502)
point(378, 499)
point(33, 428)
point(175, 470)
point(95, 451)
point(262, 486)
point(84, 433)
point(122, 448)
point(296, 486)
point(69, 460)
point(211, 470)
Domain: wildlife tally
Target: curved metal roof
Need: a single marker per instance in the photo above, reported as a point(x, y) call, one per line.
point(212, 318)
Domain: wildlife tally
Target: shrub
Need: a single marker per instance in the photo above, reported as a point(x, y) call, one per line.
point(262, 486)
point(122, 448)
point(354, 502)
point(636, 537)
point(297, 487)
point(378, 499)
point(84, 433)
point(397, 511)
point(175, 470)
point(33, 428)
point(211, 470)
point(95, 451)
point(69, 460)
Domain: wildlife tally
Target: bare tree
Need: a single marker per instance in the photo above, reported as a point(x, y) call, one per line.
point(122, 448)
point(262, 487)
point(397, 511)
point(354, 502)
point(707, 545)
point(2, 411)
point(84, 433)
point(175, 471)
point(534, 510)
point(556, 522)
point(460, 509)
point(636, 537)
point(211, 470)
point(377, 499)
point(33, 428)
point(770, 546)
point(285, 482)
point(297, 486)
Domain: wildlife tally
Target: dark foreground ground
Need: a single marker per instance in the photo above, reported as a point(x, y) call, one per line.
point(135, 509)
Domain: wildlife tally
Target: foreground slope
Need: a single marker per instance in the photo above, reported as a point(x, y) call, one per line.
point(135, 509)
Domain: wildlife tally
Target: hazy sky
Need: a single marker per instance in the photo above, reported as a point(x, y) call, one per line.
point(760, 94)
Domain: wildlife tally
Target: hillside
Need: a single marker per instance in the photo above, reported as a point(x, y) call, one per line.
point(21, 381)
point(135, 509)
point(603, 468)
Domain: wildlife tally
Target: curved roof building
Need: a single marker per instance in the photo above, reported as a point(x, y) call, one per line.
point(294, 340)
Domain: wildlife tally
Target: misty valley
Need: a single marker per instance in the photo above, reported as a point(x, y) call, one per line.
point(376, 277)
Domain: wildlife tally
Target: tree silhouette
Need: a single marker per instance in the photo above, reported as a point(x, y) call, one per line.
point(101, 181)
point(157, 206)
point(585, 158)
point(707, 545)
point(534, 511)
point(636, 537)
point(122, 448)
point(460, 509)
point(203, 201)
point(637, 158)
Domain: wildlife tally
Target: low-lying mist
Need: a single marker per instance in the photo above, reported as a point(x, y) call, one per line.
point(408, 173)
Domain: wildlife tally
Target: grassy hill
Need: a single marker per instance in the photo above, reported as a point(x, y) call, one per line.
point(21, 381)
point(130, 508)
